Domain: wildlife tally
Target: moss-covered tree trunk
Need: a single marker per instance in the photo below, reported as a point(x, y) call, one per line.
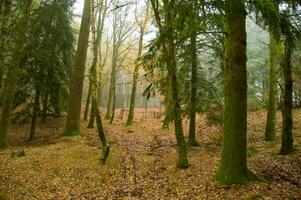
point(10, 82)
point(194, 78)
point(168, 107)
point(4, 34)
point(169, 56)
point(233, 164)
point(96, 42)
point(74, 108)
point(270, 129)
point(287, 105)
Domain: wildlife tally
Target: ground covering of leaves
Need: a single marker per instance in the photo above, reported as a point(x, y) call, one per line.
point(142, 163)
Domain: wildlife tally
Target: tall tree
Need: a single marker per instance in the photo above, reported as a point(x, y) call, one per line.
point(194, 77)
point(77, 80)
point(287, 102)
point(142, 26)
point(166, 31)
point(12, 75)
point(233, 164)
point(5, 14)
point(270, 129)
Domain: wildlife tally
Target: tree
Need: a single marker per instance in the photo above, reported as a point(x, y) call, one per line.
point(233, 165)
point(73, 119)
point(142, 26)
point(50, 40)
point(9, 88)
point(287, 104)
point(270, 131)
point(5, 14)
point(167, 35)
point(122, 30)
point(194, 78)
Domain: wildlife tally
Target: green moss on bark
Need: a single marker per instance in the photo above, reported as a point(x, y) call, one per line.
point(233, 165)
point(270, 130)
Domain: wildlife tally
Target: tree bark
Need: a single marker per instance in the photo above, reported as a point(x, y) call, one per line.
point(5, 15)
point(287, 118)
point(36, 108)
point(233, 164)
point(87, 103)
point(169, 55)
point(270, 129)
point(73, 120)
point(194, 78)
point(12, 75)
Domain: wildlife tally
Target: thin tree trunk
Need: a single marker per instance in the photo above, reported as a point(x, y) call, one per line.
point(36, 108)
point(73, 120)
point(87, 103)
point(169, 55)
point(168, 107)
point(270, 130)
point(45, 107)
point(113, 107)
point(12, 75)
point(194, 77)
point(136, 72)
point(287, 124)
point(233, 164)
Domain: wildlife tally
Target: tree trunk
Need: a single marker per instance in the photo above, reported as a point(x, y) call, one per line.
point(87, 103)
point(36, 108)
point(194, 78)
point(113, 107)
point(233, 164)
point(287, 118)
point(3, 35)
point(112, 84)
point(168, 107)
point(169, 55)
point(270, 129)
point(101, 133)
point(45, 107)
point(73, 120)
point(12, 75)
point(135, 79)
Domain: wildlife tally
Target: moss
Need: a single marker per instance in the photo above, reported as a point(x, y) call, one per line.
point(233, 165)
point(72, 133)
point(270, 130)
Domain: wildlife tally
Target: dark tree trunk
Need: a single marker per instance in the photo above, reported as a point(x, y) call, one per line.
point(287, 118)
point(194, 78)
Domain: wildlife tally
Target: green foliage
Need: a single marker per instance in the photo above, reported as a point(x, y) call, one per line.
point(47, 58)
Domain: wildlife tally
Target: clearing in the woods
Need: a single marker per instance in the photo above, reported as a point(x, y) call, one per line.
point(142, 163)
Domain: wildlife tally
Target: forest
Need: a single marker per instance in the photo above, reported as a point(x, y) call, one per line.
point(150, 99)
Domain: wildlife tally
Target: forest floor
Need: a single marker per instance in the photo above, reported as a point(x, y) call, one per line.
point(142, 163)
